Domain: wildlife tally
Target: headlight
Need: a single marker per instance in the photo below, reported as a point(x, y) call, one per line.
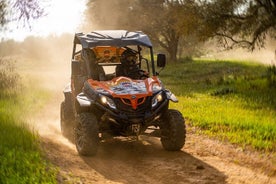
point(107, 101)
point(157, 98)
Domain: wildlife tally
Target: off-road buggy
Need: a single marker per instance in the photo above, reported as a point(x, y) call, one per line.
point(99, 104)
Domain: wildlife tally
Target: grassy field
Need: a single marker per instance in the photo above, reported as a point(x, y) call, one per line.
point(231, 100)
point(21, 159)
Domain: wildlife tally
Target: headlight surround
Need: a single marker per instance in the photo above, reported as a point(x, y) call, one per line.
point(107, 101)
point(156, 99)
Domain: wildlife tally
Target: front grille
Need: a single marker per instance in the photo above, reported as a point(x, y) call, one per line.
point(124, 107)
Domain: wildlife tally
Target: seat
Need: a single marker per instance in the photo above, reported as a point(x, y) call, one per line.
point(94, 70)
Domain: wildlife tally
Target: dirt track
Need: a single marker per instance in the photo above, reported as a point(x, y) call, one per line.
point(202, 160)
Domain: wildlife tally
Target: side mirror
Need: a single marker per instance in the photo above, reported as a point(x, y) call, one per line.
point(75, 68)
point(161, 60)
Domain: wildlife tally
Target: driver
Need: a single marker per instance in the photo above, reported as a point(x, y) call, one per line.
point(129, 66)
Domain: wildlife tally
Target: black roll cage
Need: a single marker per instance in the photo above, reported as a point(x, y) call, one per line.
point(116, 38)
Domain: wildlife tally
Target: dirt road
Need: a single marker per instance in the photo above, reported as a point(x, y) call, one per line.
point(202, 160)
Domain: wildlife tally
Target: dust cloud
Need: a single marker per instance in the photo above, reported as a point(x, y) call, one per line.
point(44, 62)
point(51, 67)
point(266, 55)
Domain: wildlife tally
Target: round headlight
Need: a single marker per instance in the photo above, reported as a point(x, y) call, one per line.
point(107, 101)
point(103, 99)
point(157, 98)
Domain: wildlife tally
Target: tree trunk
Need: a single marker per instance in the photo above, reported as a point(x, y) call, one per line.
point(173, 52)
point(173, 47)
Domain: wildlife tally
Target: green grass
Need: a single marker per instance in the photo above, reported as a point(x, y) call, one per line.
point(230, 100)
point(21, 158)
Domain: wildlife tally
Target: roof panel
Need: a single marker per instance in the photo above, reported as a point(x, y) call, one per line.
point(119, 38)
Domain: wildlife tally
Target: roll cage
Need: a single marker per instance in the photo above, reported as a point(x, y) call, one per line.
point(116, 41)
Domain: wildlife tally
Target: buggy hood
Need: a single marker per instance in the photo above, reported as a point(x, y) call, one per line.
point(134, 91)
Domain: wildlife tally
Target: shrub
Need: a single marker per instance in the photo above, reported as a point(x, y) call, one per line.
point(8, 77)
point(271, 75)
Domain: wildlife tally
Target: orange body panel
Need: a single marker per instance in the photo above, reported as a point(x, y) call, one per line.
point(114, 51)
point(135, 97)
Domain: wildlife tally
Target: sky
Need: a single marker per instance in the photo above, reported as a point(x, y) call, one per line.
point(63, 16)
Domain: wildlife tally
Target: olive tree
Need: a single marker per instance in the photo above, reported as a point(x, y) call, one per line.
point(19, 10)
point(175, 23)
point(239, 23)
point(165, 21)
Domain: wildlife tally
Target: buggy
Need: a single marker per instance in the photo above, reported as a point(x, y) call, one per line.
point(100, 104)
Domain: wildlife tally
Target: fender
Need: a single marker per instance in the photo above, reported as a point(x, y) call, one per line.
point(83, 100)
point(67, 89)
point(68, 93)
point(171, 96)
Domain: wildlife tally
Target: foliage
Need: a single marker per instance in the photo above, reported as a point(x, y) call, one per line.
point(166, 22)
point(3, 6)
point(271, 75)
point(172, 24)
point(227, 99)
point(8, 77)
point(240, 23)
point(19, 10)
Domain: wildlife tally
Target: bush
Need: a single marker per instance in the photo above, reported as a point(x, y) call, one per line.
point(271, 75)
point(8, 77)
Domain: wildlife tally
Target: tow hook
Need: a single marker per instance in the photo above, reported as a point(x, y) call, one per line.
point(136, 128)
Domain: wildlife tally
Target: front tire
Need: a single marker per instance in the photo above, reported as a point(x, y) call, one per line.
point(173, 130)
point(87, 134)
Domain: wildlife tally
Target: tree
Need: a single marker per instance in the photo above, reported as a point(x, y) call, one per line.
point(19, 10)
point(163, 20)
point(3, 7)
point(162, 27)
point(240, 23)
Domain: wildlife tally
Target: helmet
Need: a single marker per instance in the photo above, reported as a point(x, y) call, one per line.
point(129, 57)
point(129, 52)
